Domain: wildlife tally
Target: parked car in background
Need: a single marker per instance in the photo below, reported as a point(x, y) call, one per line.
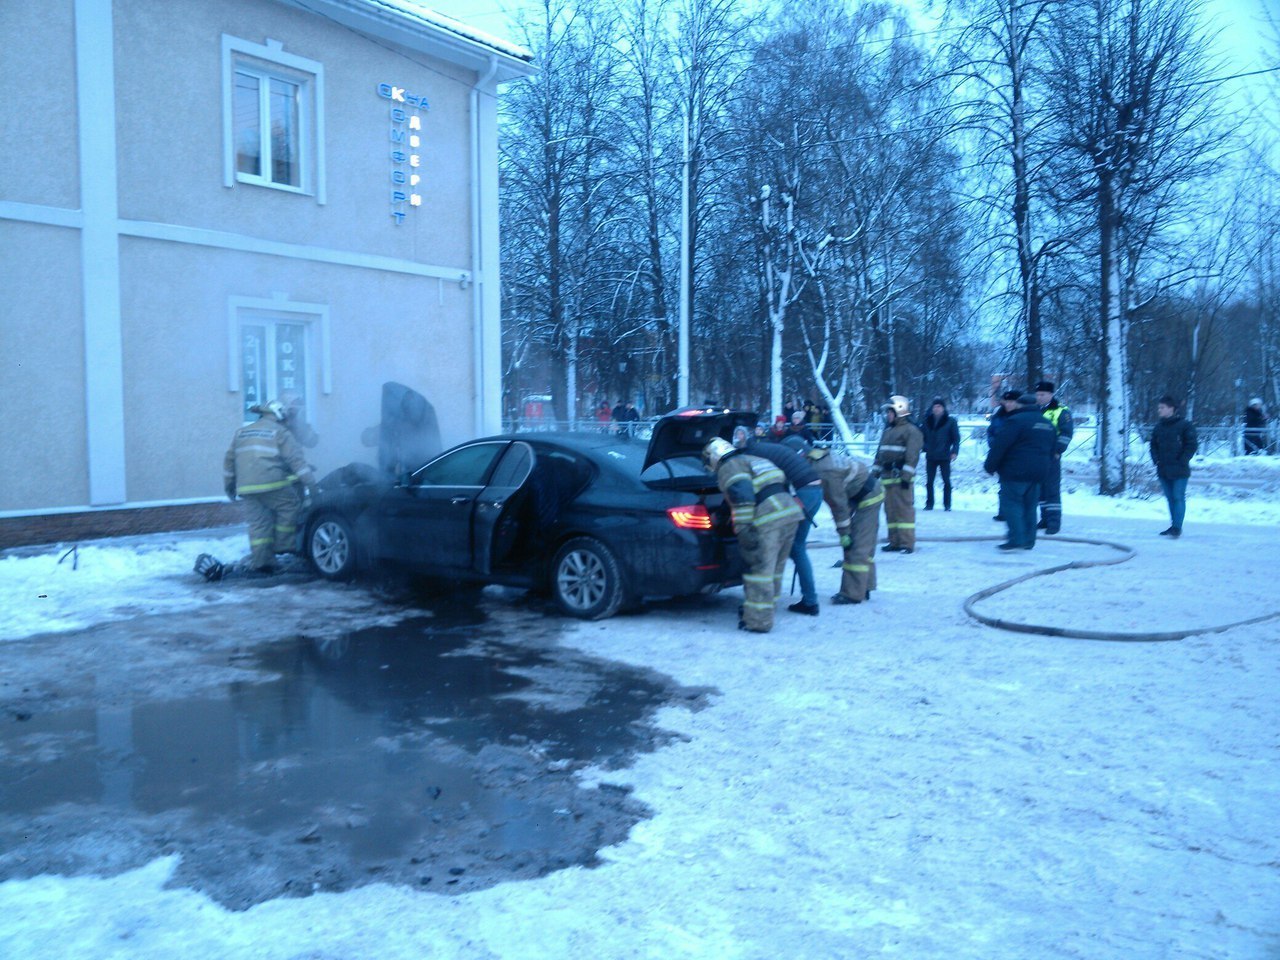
point(598, 520)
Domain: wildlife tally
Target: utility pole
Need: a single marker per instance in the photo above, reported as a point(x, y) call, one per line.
point(686, 271)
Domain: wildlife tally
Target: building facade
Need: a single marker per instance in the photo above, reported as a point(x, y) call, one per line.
point(203, 205)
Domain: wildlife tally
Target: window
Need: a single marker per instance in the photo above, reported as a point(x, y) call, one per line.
point(272, 114)
point(277, 348)
point(462, 468)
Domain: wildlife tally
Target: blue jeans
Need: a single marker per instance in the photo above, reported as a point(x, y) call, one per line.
point(1018, 502)
point(811, 499)
point(1175, 492)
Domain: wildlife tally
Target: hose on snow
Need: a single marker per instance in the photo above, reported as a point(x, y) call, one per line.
point(1125, 553)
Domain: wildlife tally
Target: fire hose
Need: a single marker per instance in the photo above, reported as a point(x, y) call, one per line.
point(1125, 553)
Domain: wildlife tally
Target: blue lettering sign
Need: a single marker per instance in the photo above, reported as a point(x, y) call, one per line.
point(398, 115)
point(384, 90)
point(399, 215)
point(397, 176)
point(397, 136)
point(398, 197)
point(399, 156)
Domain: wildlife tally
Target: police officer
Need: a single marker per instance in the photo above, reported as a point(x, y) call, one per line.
point(262, 467)
point(765, 517)
point(854, 496)
point(1051, 489)
point(788, 455)
point(895, 465)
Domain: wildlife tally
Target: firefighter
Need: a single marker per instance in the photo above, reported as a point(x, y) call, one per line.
point(790, 456)
point(263, 465)
point(765, 517)
point(1051, 488)
point(853, 496)
point(895, 466)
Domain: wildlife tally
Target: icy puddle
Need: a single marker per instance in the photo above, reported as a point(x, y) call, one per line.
point(427, 753)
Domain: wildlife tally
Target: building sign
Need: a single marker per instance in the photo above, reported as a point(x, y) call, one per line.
point(406, 111)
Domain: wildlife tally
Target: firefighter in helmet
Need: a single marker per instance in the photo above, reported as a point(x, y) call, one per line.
point(264, 466)
point(853, 496)
point(895, 466)
point(765, 517)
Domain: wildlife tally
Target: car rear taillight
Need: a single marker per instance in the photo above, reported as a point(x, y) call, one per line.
point(690, 518)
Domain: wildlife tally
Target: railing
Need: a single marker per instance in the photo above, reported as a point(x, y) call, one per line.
point(1215, 440)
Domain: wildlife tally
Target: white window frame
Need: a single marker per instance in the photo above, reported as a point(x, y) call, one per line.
point(269, 61)
point(272, 310)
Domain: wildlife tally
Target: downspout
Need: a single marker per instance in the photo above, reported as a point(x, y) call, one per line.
point(478, 278)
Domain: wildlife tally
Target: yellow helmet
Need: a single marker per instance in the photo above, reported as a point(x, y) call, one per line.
point(716, 450)
point(900, 406)
point(273, 407)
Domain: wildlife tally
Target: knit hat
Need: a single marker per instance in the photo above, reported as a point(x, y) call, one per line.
point(1044, 385)
point(780, 424)
point(939, 401)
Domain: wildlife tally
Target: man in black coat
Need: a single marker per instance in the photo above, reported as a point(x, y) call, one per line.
point(1255, 428)
point(1173, 444)
point(941, 447)
point(1020, 452)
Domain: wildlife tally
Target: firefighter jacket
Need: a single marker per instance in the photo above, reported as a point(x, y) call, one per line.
point(899, 450)
point(1060, 417)
point(845, 482)
point(263, 457)
point(756, 490)
point(795, 466)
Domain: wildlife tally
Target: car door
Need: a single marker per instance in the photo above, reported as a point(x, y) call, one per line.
point(426, 522)
point(497, 501)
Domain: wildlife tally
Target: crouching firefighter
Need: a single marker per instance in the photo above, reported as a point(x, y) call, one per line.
point(265, 466)
point(765, 517)
point(853, 495)
point(896, 460)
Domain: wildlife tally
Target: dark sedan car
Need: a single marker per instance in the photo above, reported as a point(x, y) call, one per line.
point(596, 519)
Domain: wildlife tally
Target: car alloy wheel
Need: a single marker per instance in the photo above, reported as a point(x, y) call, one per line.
point(332, 548)
point(586, 579)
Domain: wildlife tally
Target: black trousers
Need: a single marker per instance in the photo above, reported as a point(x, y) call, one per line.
point(932, 467)
point(1051, 497)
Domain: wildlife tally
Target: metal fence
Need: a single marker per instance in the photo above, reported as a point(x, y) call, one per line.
point(1215, 440)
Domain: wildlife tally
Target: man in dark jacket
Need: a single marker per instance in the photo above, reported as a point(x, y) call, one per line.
point(1255, 428)
point(1051, 487)
point(1173, 444)
point(1005, 407)
point(1020, 453)
point(941, 447)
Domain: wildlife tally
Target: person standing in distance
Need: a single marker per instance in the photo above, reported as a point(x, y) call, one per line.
point(1173, 444)
point(941, 447)
point(1255, 428)
point(1020, 454)
point(895, 466)
point(765, 517)
point(1051, 489)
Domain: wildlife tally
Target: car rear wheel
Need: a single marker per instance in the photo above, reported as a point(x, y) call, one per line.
point(331, 548)
point(586, 579)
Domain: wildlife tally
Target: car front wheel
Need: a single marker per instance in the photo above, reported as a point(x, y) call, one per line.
point(586, 579)
point(331, 548)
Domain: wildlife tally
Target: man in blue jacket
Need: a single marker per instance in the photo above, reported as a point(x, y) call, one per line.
point(1020, 453)
point(1051, 488)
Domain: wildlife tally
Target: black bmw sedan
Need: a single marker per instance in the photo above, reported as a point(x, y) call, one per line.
point(598, 520)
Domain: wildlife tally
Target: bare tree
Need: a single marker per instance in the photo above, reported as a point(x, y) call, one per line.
point(1133, 124)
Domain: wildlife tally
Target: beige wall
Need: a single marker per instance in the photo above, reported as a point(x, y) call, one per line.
point(42, 401)
point(179, 413)
point(39, 151)
point(169, 111)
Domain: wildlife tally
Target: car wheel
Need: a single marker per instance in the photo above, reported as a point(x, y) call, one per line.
point(331, 548)
point(586, 580)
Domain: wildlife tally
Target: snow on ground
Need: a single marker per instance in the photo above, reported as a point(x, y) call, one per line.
point(886, 779)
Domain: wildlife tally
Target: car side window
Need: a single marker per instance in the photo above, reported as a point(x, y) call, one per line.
point(513, 469)
point(467, 467)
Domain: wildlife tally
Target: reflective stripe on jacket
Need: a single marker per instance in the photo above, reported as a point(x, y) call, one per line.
point(742, 477)
point(263, 456)
point(900, 447)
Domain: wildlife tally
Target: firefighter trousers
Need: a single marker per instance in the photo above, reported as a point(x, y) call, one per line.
point(273, 525)
point(762, 582)
point(859, 567)
point(900, 513)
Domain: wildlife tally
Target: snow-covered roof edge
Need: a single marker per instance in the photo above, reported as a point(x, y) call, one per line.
point(426, 15)
point(420, 28)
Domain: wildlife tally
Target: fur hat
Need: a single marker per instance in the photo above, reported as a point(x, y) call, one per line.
point(1028, 400)
point(1044, 385)
point(1010, 395)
